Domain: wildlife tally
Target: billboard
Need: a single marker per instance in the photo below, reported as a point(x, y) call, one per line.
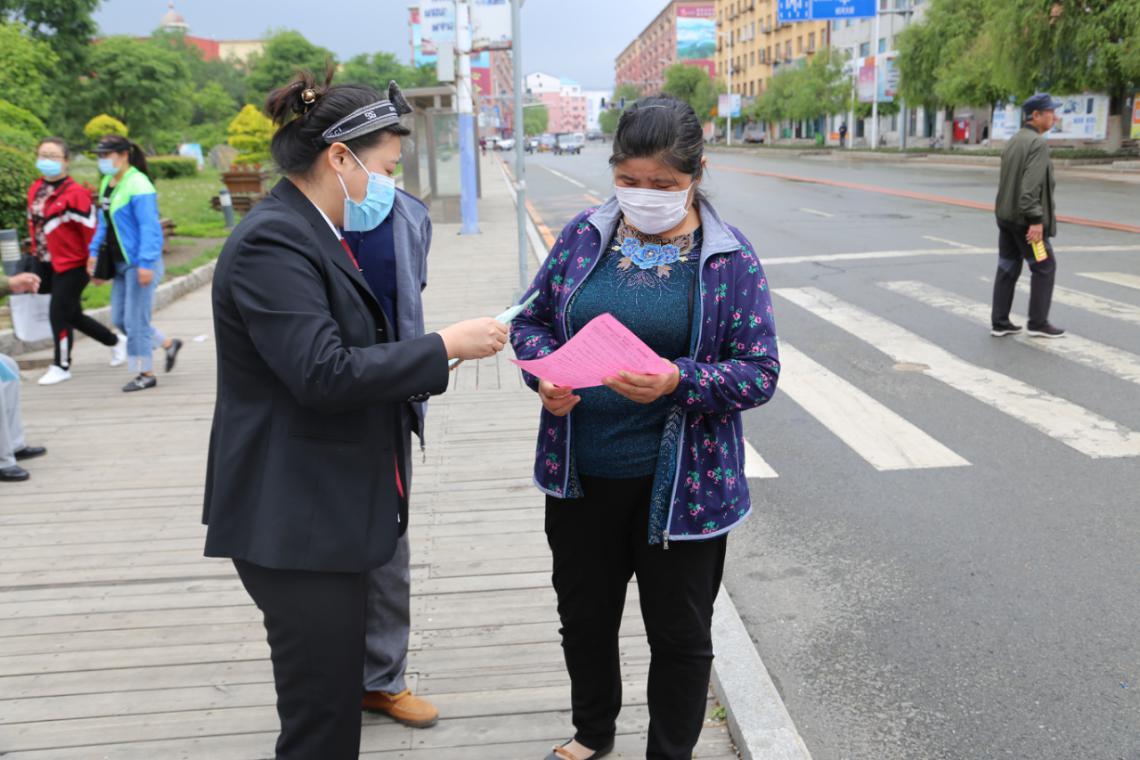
point(422, 54)
point(481, 73)
point(728, 105)
point(490, 25)
point(1079, 117)
point(696, 36)
point(888, 77)
point(1136, 116)
point(790, 11)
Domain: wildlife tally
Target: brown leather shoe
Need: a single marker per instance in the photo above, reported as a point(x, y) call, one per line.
point(403, 708)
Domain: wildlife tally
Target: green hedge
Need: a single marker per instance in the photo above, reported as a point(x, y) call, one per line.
point(17, 173)
point(169, 167)
point(21, 120)
point(18, 140)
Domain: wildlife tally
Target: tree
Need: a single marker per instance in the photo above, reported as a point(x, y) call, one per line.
point(285, 53)
point(211, 104)
point(693, 85)
point(142, 84)
point(103, 125)
point(26, 69)
point(66, 25)
point(535, 120)
point(608, 120)
point(627, 92)
point(250, 133)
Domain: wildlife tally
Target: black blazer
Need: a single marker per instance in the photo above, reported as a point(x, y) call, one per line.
point(307, 429)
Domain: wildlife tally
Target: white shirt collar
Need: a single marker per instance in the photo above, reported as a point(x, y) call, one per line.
point(328, 221)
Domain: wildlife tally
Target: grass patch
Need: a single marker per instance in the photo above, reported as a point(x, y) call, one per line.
point(97, 296)
point(200, 260)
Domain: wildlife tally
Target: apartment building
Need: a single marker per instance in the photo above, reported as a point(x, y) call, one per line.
point(754, 44)
point(683, 32)
point(565, 103)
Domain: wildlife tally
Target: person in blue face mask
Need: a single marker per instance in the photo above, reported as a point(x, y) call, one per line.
point(307, 479)
point(390, 233)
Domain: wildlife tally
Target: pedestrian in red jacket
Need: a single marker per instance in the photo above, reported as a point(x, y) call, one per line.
point(61, 223)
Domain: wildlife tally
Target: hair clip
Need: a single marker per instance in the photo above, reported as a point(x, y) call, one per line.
point(308, 97)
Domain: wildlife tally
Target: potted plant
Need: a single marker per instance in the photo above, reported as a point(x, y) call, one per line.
point(249, 133)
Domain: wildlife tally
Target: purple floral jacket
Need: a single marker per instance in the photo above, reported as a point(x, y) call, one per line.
point(699, 489)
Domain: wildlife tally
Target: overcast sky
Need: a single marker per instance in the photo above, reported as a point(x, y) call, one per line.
point(580, 44)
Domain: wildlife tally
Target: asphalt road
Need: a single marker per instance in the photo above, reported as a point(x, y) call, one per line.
point(944, 560)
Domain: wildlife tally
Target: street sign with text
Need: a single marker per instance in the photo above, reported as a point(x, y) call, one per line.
point(790, 11)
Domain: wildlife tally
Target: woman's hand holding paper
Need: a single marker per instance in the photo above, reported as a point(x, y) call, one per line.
point(645, 389)
point(556, 399)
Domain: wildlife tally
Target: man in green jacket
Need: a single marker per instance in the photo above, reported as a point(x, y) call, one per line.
point(1026, 219)
point(12, 446)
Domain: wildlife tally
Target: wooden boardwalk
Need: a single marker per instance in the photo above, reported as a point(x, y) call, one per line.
point(119, 640)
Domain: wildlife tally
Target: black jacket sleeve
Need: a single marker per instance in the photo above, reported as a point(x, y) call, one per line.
point(279, 289)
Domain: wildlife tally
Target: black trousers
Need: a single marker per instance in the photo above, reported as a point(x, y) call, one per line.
point(315, 627)
point(1012, 249)
point(598, 543)
point(66, 313)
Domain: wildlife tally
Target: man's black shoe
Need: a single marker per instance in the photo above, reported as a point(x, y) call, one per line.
point(1001, 329)
point(29, 452)
point(172, 353)
point(1045, 331)
point(13, 474)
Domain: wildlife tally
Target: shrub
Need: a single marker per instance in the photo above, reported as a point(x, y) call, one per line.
point(21, 120)
point(169, 167)
point(18, 139)
point(17, 173)
point(250, 133)
point(103, 125)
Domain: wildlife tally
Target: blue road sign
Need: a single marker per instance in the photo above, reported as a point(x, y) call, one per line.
point(790, 11)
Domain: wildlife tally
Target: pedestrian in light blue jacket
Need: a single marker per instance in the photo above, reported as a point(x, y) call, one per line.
point(127, 249)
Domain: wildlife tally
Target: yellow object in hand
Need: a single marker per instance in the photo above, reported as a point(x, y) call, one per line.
point(1039, 251)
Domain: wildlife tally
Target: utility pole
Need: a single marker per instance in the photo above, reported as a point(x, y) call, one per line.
point(520, 140)
point(906, 14)
point(875, 94)
point(468, 182)
point(728, 132)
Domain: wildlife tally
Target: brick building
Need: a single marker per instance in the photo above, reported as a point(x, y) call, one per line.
point(753, 42)
point(683, 32)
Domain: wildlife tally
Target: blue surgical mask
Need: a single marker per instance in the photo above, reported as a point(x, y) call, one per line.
point(377, 204)
point(107, 167)
point(49, 167)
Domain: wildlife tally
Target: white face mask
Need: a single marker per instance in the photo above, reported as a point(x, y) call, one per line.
point(653, 211)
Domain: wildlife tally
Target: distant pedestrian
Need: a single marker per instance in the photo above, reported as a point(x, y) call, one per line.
point(1026, 219)
point(645, 476)
point(843, 135)
point(127, 248)
point(61, 223)
point(13, 447)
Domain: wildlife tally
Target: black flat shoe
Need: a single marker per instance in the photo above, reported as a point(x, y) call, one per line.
point(140, 383)
point(557, 754)
point(13, 474)
point(29, 452)
point(172, 353)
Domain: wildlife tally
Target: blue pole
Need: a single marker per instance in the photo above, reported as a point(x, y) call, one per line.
point(468, 185)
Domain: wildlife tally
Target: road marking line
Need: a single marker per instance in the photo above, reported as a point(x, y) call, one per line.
point(817, 213)
point(754, 464)
point(825, 258)
point(1114, 361)
point(1071, 424)
point(593, 199)
point(954, 243)
point(1114, 278)
point(874, 432)
point(592, 191)
point(1105, 307)
point(537, 247)
point(560, 175)
point(928, 197)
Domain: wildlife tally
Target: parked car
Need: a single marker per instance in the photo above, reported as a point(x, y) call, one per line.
point(595, 135)
point(569, 142)
point(505, 143)
point(546, 142)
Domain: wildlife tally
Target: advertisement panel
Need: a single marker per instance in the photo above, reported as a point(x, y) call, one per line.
point(1136, 116)
point(1079, 117)
point(696, 36)
point(481, 73)
point(422, 54)
point(888, 77)
point(728, 105)
point(490, 25)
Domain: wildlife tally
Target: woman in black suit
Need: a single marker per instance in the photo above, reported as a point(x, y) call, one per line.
point(304, 488)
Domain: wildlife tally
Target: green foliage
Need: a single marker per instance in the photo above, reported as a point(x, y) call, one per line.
point(26, 69)
point(284, 54)
point(66, 25)
point(212, 103)
point(17, 173)
point(102, 125)
point(18, 140)
point(21, 120)
point(608, 120)
point(144, 84)
point(535, 120)
point(250, 133)
point(170, 167)
point(693, 85)
point(627, 91)
point(800, 93)
point(379, 69)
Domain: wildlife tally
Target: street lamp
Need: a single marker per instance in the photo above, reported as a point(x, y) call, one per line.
point(728, 123)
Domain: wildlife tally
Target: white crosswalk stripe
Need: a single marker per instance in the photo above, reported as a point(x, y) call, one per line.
point(1114, 278)
point(874, 432)
point(1105, 307)
point(1090, 353)
point(754, 464)
point(1067, 422)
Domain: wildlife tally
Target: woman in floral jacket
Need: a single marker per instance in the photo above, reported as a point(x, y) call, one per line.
point(645, 476)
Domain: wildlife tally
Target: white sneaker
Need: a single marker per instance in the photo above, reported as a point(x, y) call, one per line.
point(55, 374)
point(119, 352)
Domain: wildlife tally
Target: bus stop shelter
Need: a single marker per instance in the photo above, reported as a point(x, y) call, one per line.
point(431, 154)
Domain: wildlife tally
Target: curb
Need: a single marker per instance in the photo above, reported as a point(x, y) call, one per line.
point(167, 293)
point(758, 720)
